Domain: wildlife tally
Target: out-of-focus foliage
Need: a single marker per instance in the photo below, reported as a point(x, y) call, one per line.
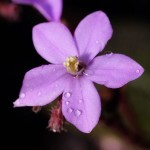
point(132, 37)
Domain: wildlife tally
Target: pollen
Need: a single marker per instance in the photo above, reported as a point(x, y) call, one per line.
point(71, 64)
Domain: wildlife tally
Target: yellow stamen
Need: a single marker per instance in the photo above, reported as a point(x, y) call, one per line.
point(71, 64)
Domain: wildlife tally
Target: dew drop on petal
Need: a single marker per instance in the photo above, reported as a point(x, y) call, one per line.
point(22, 95)
point(137, 71)
point(67, 102)
point(88, 72)
point(67, 94)
point(70, 110)
point(109, 53)
point(80, 101)
point(97, 41)
point(78, 113)
point(39, 93)
point(85, 73)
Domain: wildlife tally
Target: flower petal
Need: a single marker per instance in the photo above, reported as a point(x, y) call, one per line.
point(81, 104)
point(113, 70)
point(42, 85)
point(92, 34)
point(54, 42)
point(23, 1)
point(51, 9)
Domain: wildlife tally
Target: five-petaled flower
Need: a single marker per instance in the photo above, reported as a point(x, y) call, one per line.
point(50, 9)
point(74, 68)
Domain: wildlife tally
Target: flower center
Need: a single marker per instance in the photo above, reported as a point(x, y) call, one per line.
point(73, 65)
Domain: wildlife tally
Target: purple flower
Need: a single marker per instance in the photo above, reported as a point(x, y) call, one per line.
point(74, 67)
point(51, 9)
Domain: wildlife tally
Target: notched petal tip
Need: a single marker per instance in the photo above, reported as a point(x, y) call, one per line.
point(98, 31)
point(17, 103)
point(118, 71)
point(139, 71)
point(81, 104)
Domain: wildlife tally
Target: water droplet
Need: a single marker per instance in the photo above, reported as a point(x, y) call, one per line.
point(22, 95)
point(78, 113)
point(39, 93)
point(67, 102)
point(97, 42)
point(80, 101)
point(70, 110)
point(88, 72)
point(109, 53)
point(67, 94)
point(137, 71)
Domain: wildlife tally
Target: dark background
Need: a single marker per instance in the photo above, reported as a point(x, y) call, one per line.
point(20, 127)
